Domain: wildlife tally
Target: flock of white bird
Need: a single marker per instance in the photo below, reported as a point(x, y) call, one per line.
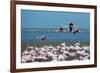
point(58, 53)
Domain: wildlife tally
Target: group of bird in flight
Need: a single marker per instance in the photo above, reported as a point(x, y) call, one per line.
point(72, 28)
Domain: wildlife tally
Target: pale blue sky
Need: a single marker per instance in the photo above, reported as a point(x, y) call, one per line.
point(53, 19)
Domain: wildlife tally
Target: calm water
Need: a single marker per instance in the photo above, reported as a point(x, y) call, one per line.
point(33, 36)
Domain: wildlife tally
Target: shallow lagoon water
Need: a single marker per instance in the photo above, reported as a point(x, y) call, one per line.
point(33, 36)
point(54, 38)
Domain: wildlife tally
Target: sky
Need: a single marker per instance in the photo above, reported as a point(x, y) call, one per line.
point(53, 19)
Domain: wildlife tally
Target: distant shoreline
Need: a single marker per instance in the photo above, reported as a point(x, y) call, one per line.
point(51, 29)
